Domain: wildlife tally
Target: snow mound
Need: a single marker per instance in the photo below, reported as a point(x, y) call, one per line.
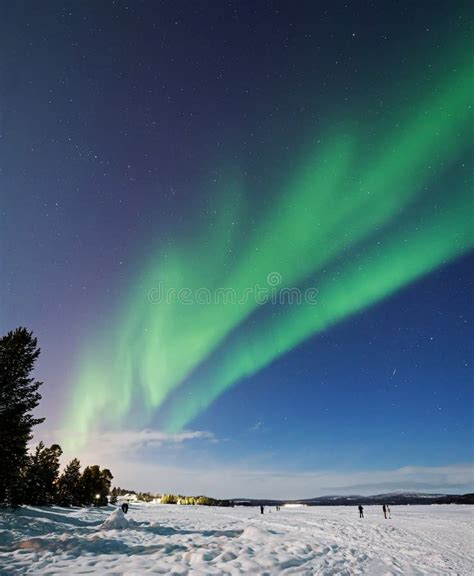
point(255, 533)
point(422, 540)
point(116, 521)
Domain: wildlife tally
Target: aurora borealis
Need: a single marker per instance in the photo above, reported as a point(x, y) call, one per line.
point(184, 169)
point(337, 199)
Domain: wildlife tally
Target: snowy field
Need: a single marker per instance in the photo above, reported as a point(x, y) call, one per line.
point(162, 539)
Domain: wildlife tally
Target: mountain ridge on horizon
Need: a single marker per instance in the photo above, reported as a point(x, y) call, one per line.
point(395, 497)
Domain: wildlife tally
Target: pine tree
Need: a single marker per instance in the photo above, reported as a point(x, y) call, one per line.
point(113, 495)
point(69, 485)
point(95, 485)
point(106, 482)
point(18, 397)
point(41, 476)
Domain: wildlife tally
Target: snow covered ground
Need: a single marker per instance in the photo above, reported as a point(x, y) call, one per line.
point(162, 539)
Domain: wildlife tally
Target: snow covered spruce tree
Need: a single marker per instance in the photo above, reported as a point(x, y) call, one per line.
point(18, 397)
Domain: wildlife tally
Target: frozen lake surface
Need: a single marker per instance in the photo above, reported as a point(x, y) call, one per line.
point(167, 539)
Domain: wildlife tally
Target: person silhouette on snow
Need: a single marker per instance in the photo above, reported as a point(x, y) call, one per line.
point(361, 511)
point(124, 507)
point(384, 508)
point(261, 509)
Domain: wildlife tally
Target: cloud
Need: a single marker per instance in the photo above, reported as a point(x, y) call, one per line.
point(223, 481)
point(151, 460)
point(123, 445)
point(131, 440)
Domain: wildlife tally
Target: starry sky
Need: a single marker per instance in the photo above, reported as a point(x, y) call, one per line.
point(153, 154)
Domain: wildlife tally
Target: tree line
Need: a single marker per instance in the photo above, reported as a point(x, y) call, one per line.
point(116, 492)
point(194, 500)
point(35, 478)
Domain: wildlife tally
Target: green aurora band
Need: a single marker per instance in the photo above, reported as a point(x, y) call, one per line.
point(347, 194)
point(374, 275)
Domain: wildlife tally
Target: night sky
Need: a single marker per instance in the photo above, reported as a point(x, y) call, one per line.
point(320, 147)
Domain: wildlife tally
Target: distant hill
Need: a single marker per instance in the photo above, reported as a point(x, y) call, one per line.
point(393, 498)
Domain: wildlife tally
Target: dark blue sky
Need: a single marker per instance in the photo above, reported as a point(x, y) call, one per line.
point(384, 388)
point(115, 115)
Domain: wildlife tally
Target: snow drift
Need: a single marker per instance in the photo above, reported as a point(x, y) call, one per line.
point(162, 539)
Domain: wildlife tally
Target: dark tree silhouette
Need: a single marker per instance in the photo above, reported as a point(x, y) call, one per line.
point(18, 397)
point(41, 476)
point(95, 486)
point(69, 485)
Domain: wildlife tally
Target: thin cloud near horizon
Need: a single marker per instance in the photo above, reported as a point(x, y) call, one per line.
point(122, 452)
